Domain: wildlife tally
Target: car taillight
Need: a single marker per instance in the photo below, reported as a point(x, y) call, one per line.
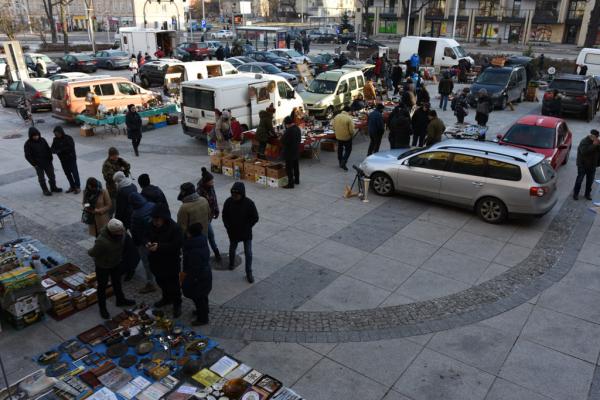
point(548, 96)
point(37, 95)
point(81, 63)
point(581, 99)
point(538, 191)
point(67, 99)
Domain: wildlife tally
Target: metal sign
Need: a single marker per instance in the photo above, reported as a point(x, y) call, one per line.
point(15, 60)
point(203, 24)
point(245, 7)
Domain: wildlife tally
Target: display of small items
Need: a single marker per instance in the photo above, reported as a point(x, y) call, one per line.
point(70, 290)
point(261, 172)
point(143, 355)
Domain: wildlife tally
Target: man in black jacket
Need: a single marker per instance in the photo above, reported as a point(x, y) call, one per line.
point(133, 121)
point(588, 154)
point(376, 128)
point(420, 121)
point(290, 142)
point(197, 282)
point(151, 192)
point(239, 216)
point(39, 155)
point(163, 241)
point(445, 88)
point(64, 147)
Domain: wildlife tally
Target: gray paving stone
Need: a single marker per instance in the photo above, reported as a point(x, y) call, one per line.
point(512, 255)
point(424, 285)
point(575, 301)
point(434, 376)
point(393, 395)
point(385, 221)
point(329, 380)
point(501, 232)
point(526, 237)
point(335, 256)
point(428, 232)
point(455, 218)
point(583, 275)
point(407, 250)
point(383, 361)
point(322, 225)
point(266, 296)
point(303, 278)
point(546, 371)
point(381, 271)
point(477, 345)
point(589, 254)
point(457, 266)
point(505, 390)
point(363, 237)
point(346, 293)
point(17, 176)
point(563, 333)
point(293, 241)
point(492, 271)
point(474, 245)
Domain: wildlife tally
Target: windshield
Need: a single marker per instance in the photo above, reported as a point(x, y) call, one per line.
point(493, 77)
point(531, 136)
point(43, 57)
point(118, 54)
point(41, 85)
point(322, 86)
point(568, 85)
point(460, 51)
point(271, 69)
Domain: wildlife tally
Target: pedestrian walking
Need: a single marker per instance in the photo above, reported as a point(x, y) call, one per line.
point(396, 77)
point(376, 128)
point(435, 129)
point(378, 68)
point(460, 105)
point(64, 147)
point(163, 241)
point(588, 155)
point(96, 206)
point(484, 107)
point(151, 192)
point(290, 143)
point(41, 68)
point(125, 187)
point(343, 127)
point(542, 61)
point(197, 280)
point(445, 88)
point(306, 44)
point(133, 67)
point(206, 188)
point(141, 219)
point(298, 45)
point(220, 53)
point(139, 58)
point(400, 128)
point(107, 253)
point(288, 40)
point(369, 91)
point(239, 217)
point(133, 121)
point(227, 50)
point(420, 121)
point(111, 166)
point(423, 95)
point(194, 208)
point(39, 155)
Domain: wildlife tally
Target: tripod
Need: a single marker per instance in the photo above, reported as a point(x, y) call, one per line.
point(358, 180)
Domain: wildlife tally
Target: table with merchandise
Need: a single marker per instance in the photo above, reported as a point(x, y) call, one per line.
point(112, 122)
point(141, 354)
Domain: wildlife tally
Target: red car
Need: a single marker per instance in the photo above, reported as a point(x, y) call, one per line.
point(198, 51)
point(549, 136)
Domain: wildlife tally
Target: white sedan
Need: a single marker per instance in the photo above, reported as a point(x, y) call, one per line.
point(223, 34)
point(291, 55)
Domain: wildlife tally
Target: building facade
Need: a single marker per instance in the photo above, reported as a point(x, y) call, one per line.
point(493, 21)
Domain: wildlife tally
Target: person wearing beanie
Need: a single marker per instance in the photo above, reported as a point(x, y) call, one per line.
point(194, 208)
point(107, 253)
point(64, 147)
point(39, 155)
point(163, 240)
point(290, 143)
point(141, 218)
point(151, 192)
point(125, 187)
point(588, 156)
point(239, 216)
point(111, 166)
point(133, 121)
point(206, 188)
point(376, 128)
point(197, 281)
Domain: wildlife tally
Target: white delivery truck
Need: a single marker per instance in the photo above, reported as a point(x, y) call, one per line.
point(193, 70)
point(147, 40)
point(245, 95)
point(591, 59)
point(437, 52)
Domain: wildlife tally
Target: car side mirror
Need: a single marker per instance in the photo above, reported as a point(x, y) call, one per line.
point(499, 137)
point(405, 163)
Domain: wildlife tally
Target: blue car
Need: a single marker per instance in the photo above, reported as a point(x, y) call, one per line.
point(112, 59)
point(268, 57)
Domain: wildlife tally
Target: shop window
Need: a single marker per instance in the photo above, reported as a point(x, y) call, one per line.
point(546, 8)
point(576, 9)
point(387, 27)
point(541, 33)
point(488, 8)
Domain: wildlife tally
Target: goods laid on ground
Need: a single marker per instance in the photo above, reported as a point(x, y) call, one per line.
point(142, 355)
point(261, 172)
point(466, 131)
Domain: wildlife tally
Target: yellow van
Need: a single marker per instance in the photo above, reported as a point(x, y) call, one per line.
point(68, 95)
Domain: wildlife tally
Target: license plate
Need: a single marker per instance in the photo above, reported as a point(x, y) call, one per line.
point(192, 120)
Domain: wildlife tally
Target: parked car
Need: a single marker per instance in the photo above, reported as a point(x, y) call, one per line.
point(549, 136)
point(265, 56)
point(153, 72)
point(31, 59)
point(237, 61)
point(364, 43)
point(77, 62)
point(579, 95)
point(503, 85)
point(213, 45)
point(322, 37)
point(266, 68)
point(182, 55)
point(322, 62)
point(36, 90)
point(291, 55)
point(330, 91)
point(198, 51)
point(495, 181)
point(68, 75)
point(222, 34)
point(112, 59)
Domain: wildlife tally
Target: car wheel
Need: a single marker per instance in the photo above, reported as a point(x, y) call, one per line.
point(329, 113)
point(110, 66)
point(491, 210)
point(566, 160)
point(3, 102)
point(382, 184)
point(503, 103)
point(145, 82)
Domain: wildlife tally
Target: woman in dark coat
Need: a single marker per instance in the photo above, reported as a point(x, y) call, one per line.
point(484, 107)
point(420, 121)
point(197, 282)
point(396, 77)
point(423, 95)
point(123, 209)
point(400, 128)
point(64, 147)
point(133, 121)
point(206, 189)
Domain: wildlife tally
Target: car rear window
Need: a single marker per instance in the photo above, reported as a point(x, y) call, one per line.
point(504, 171)
point(83, 58)
point(81, 91)
point(58, 92)
point(530, 136)
point(592, 58)
point(198, 98)
point(542, 172)
point(41, 85)
point(567, 84)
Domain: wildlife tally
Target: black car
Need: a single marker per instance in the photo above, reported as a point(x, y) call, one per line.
point(364, 43)
point(33, 62)
point(265, 56)
point(152, 73)
point(77, 62)
point(578, 95)
point(36, 90)
point(322, 62)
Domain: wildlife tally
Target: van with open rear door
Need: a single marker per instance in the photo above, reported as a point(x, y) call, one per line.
point(433, 51)
point(194, 70)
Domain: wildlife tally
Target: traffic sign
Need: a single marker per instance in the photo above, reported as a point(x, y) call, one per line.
point(203, 24)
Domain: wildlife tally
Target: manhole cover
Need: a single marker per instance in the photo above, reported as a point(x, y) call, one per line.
point(224, 264)
point(12, 136)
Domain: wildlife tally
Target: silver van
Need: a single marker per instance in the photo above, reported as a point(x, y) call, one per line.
point(495, 181)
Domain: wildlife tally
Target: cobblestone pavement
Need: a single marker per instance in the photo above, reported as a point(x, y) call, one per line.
point(391, 299)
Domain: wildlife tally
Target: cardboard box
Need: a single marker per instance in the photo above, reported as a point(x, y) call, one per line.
point(24, 305)
point(229, 159)
point(277, 182)
point(276, 171)
point(86, 131)
point(216, 163)
point(260, 179)
point(227, 171)
point(157, 119)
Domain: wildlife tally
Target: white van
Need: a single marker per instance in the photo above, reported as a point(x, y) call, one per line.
point(193, 70)
point(437, 52)
point(591, 59)
point(330, 91)
point(244, 94)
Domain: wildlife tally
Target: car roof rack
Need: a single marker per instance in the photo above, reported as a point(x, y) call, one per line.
point(484, 151)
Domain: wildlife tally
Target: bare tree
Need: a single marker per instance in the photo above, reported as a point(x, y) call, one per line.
point(9, 23)
point(38, 27)
point(49, 10)
point(64, 23)
point(593, 24)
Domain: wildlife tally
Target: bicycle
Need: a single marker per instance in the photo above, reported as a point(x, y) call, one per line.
point(24, 111)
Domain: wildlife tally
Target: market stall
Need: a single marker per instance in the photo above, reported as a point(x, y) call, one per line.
point(142, 354)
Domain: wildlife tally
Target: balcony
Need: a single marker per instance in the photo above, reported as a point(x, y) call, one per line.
point(545, 16)
point(388, 12)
